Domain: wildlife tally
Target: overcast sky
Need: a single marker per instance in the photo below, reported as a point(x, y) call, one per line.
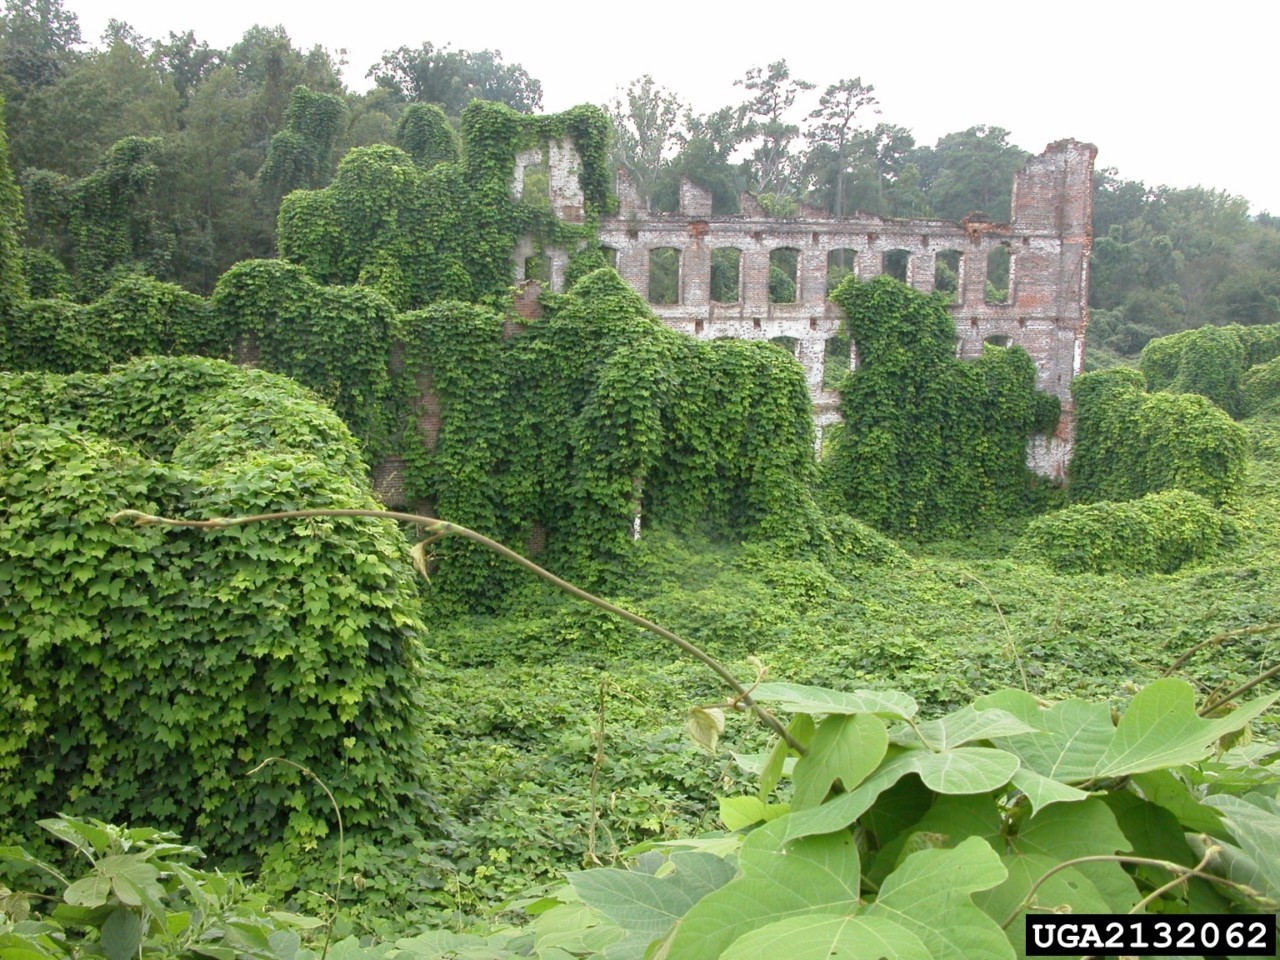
point(1180, 94)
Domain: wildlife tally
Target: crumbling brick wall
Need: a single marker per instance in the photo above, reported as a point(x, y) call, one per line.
point(1047, 238)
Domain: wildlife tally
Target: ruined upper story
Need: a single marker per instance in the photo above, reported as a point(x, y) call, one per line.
point(1041, 254)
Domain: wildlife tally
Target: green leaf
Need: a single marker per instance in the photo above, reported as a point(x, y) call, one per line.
point(1058, 833)
point(649, 905)
point(131, 875)
point(284, 944)
point(91, 891)
point(823, 936)
point(963, 726)
point(1256, 828)
point(1074, 734)
point(121, 934)
point(963, 770)
point(1163, 788)
point(798, 698)
point(931, 896)
point(1160, 728)
point(779, 880)
point(737, 813)
point(80, 834)
point(1078, 743)
point(1042, 791)
point(296, 920)
point(845, 748)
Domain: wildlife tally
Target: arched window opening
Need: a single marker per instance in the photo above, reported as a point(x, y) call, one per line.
point(786, 343)
point(999, 262)
point(538, 267)
point(835, 361)
point(726, 267)
point(946, 274)
point(536, 190)
point(999, 340)
point(894, 263)
point(664, 276)
point(840, 264)
point(784, 266)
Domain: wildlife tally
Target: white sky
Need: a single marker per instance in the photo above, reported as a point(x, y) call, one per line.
point(1170, 92)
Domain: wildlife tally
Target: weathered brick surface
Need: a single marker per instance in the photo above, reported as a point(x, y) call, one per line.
point(1046, 313)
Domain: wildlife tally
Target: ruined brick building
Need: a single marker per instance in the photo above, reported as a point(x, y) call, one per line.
point(1045, 247)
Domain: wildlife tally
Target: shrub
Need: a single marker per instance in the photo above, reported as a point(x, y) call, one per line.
point(1260, 388)
point(1130, 443)
point(146, 671)
point(1156, 534)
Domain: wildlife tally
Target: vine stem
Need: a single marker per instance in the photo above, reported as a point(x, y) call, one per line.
point(1182, 874)
point(1216, 639)
point(342, 840)
point(443, 528)
point(1216, 702)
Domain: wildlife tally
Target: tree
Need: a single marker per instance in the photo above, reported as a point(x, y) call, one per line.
point(705, 159)
point(37, 41)
point(773, 165)
point(453, 78)
point(301, 156)
point(645, 129)
point(836, 129)
point(970, 171)
point(185, 62)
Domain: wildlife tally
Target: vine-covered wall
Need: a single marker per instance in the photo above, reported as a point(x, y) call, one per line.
point(930, 444)
point(596, 414)
point(419, 227)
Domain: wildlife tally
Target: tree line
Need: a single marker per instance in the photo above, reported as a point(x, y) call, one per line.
point(170, 157)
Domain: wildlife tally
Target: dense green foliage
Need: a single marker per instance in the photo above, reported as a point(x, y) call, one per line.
point(930, 445)
point(1210, 361)
point(1166, 260)
point(595, 414)
point(419, 228)
point(145, 671)
point(1157, 533)
point(1130, 443)
point(1260, 387)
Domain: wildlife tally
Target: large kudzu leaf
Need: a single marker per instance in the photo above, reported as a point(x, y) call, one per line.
point(121, 934)
point(644, 904)
point(963, 770)
point(1054, 835)
point(950, 820)
point(931, 895)
point(779, 880)
point(1161, 729)
point(798, 698)
point(846, 747)
point(963, 726)
point(821, 937)
point(1042, 791)
point(1073, 734)
point(1078, 742)
point(1254, 823)
point(1161, 787)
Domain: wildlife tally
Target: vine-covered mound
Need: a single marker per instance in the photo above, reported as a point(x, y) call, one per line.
point(147, 671)
point(1157, 533)
point(1130, 443)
